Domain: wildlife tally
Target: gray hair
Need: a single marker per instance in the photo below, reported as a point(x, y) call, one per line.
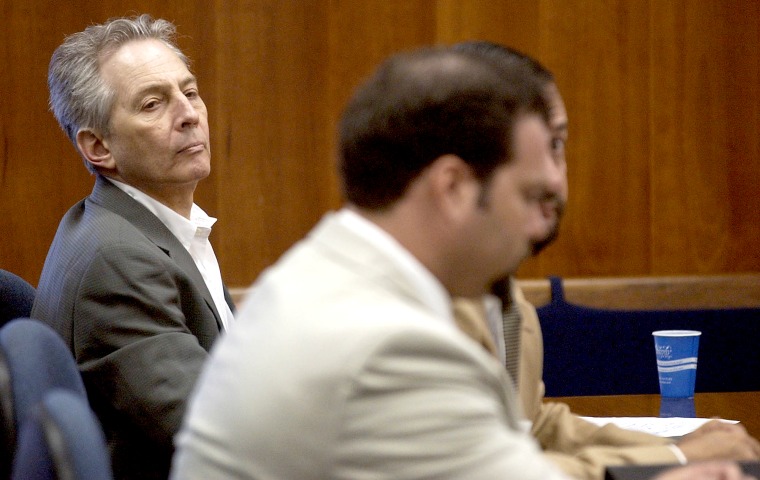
point(79, 98)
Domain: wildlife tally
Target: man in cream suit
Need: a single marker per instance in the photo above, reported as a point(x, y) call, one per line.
point(131, 282)
point(345, 361)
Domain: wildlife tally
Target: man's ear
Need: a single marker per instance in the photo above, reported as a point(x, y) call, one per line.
point(95, 150)
point(454, 186)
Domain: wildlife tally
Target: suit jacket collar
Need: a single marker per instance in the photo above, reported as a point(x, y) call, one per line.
point(353, 250)
point(111, 197)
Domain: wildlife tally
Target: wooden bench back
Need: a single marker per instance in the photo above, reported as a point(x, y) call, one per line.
point(693, 291)
point(656, 293)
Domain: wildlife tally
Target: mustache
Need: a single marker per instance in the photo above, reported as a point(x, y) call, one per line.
point(500, 287)
point(538, 246)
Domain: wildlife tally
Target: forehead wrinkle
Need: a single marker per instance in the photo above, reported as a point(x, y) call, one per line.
point(147, 62)
point(163, 83)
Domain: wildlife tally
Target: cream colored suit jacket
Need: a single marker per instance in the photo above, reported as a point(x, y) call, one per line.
point(580, 448)
point(338, 368)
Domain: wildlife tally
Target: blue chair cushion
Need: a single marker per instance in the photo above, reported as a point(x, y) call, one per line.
point(16, 297)
point(36, 360)
point(61, 438)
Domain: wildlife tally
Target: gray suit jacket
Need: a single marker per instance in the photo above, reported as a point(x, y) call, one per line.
point(129, 301)
point(339, 368)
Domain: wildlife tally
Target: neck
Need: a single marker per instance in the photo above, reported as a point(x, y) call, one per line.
point(416, 231)
point(181, 204)
point(436, 243)
point(177, 197)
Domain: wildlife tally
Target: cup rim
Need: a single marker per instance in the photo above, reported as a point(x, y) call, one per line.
point(676, 333)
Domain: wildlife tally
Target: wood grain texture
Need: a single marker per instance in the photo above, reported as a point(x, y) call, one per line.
point(663, 100)
point(271, 131)
point(687, 292)
point(696, 212)
point(653, 292)
point(599, 54)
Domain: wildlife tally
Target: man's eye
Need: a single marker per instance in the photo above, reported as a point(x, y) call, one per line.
point(150, 105)
point(558, 144)
point(535, 196)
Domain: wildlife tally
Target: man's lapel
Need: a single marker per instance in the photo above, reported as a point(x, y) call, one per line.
point(113, 198)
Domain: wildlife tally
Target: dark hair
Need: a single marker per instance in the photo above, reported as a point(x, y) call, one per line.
point(424, 104)
point(507, 58)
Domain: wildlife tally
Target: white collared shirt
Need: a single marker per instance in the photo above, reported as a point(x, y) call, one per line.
point(193, 235)
point(433, 293)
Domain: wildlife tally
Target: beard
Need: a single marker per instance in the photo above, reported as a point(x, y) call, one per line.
point(501, 286)
point(540, 245)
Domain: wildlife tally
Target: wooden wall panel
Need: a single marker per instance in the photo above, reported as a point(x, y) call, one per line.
point(284, 74)
point(271, 131)
point(363, 34)
point(704, 161)
point(664, 154)
point(598, 52)
point(510, 23)
point(40, 173)
point(742, 52)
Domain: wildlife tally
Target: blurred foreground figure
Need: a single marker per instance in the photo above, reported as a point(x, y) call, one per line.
point(345, 361)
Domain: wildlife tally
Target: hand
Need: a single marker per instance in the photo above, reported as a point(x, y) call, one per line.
point(712, 426)
point(705, 471)
point(718, 440)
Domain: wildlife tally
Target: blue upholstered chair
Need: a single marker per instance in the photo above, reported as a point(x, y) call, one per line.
point(16, 297)
point(33, 360)
point(593, 351)
point(61, 439)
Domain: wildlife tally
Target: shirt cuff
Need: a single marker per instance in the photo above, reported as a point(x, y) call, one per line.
point(678, 453)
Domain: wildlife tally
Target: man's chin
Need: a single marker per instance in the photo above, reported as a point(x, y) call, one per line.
point(200, 170)
point(538, 247)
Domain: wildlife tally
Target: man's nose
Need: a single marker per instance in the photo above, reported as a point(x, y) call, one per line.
point(557, 181)
point(188, 112)
point(542, 220)
point(550, 209)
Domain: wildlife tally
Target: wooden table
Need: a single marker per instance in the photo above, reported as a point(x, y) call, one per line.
point(742, 406)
